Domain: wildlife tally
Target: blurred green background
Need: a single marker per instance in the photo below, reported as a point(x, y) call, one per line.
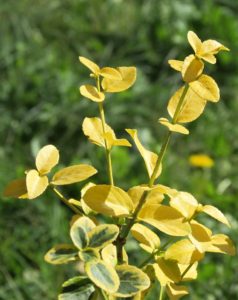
point(40, 104)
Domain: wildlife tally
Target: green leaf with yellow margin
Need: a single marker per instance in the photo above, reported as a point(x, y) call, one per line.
point(46, 159)
point(132, 281)
point(192, 108)
point(73, 174)
point(103, 275)
point(173, 127)
point(16, 188)
point(78, 232)
point(87, 255)
point(206, 87)
point(36, 184)
point(102, 235)
point(175, 291)
point(145, 236)
point(109, 200)
point(183, 252)
point(166, 219)
point(79, 287)
point(128, 75)
point(84, 222)
point(109, 255)
point(150, 158)
point(61, 254)
point(92, 93)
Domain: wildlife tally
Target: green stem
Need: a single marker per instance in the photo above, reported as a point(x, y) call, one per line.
point(121, 240)
point(65, 201)
point(161, 294)
point(107, 150)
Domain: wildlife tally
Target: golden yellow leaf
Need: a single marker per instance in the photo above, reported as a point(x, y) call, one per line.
point(145, 236)
point(206, 87)
point(92, 93)
point(191, 274)
point(35, 184)
point(216, 214)
point(16, 188)
point(73, 174)
point(176, 292)
point(128, 75)
point(173, 127)
point(176, 64)
point(87, 210)
point(150, 158)
point(194, 41)
point(221, 243)
point(89, 64)
point(192, 108)
point(192, 68)
point(166, 219)
point(93, 129)
point(200, 236)
point(46, 159)
point(109, 200)
point(201, 160)
point(110, 73)
point(185, 203)
point(166, 271)
point(155, 196)
point(184, 252)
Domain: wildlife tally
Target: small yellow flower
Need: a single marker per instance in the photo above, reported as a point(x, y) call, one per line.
point(201, 160)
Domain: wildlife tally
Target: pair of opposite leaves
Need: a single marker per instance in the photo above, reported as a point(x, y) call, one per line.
point(37, 181)
point(114, 80)
point(201, 87)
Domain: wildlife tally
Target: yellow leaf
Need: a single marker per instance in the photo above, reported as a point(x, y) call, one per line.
point(155, 195)
point(92, 128)
point(110, 73)
point(145, 236)
point(201, 160)
point(166, 219)
point(194, 41)
point(16, 188)
point(92, 93)
point(109, 200)
point(166, 271)
point(73, 174)
point(216, 214)
point(87, 210)
point(128, 75)
point(192, 108)
point(176, 292)
point(192, 68)
point(200, 236)
point(35, 184)
point(222, 244)
point(184, 252)
point(206, 87)
point(46, 159)
point(173, 127)
point(176, 64)
point(185, 203)
point(89, 64)
point(191, 274)
point(109, 255)
point(150, 158)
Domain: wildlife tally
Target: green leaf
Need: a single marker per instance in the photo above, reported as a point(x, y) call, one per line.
point(78, 235)
point(132, 281)
point(76, 288)
point(61, 254)
point(103, 275)
point(102, 235)
point(73, 174)
point(88, 254)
